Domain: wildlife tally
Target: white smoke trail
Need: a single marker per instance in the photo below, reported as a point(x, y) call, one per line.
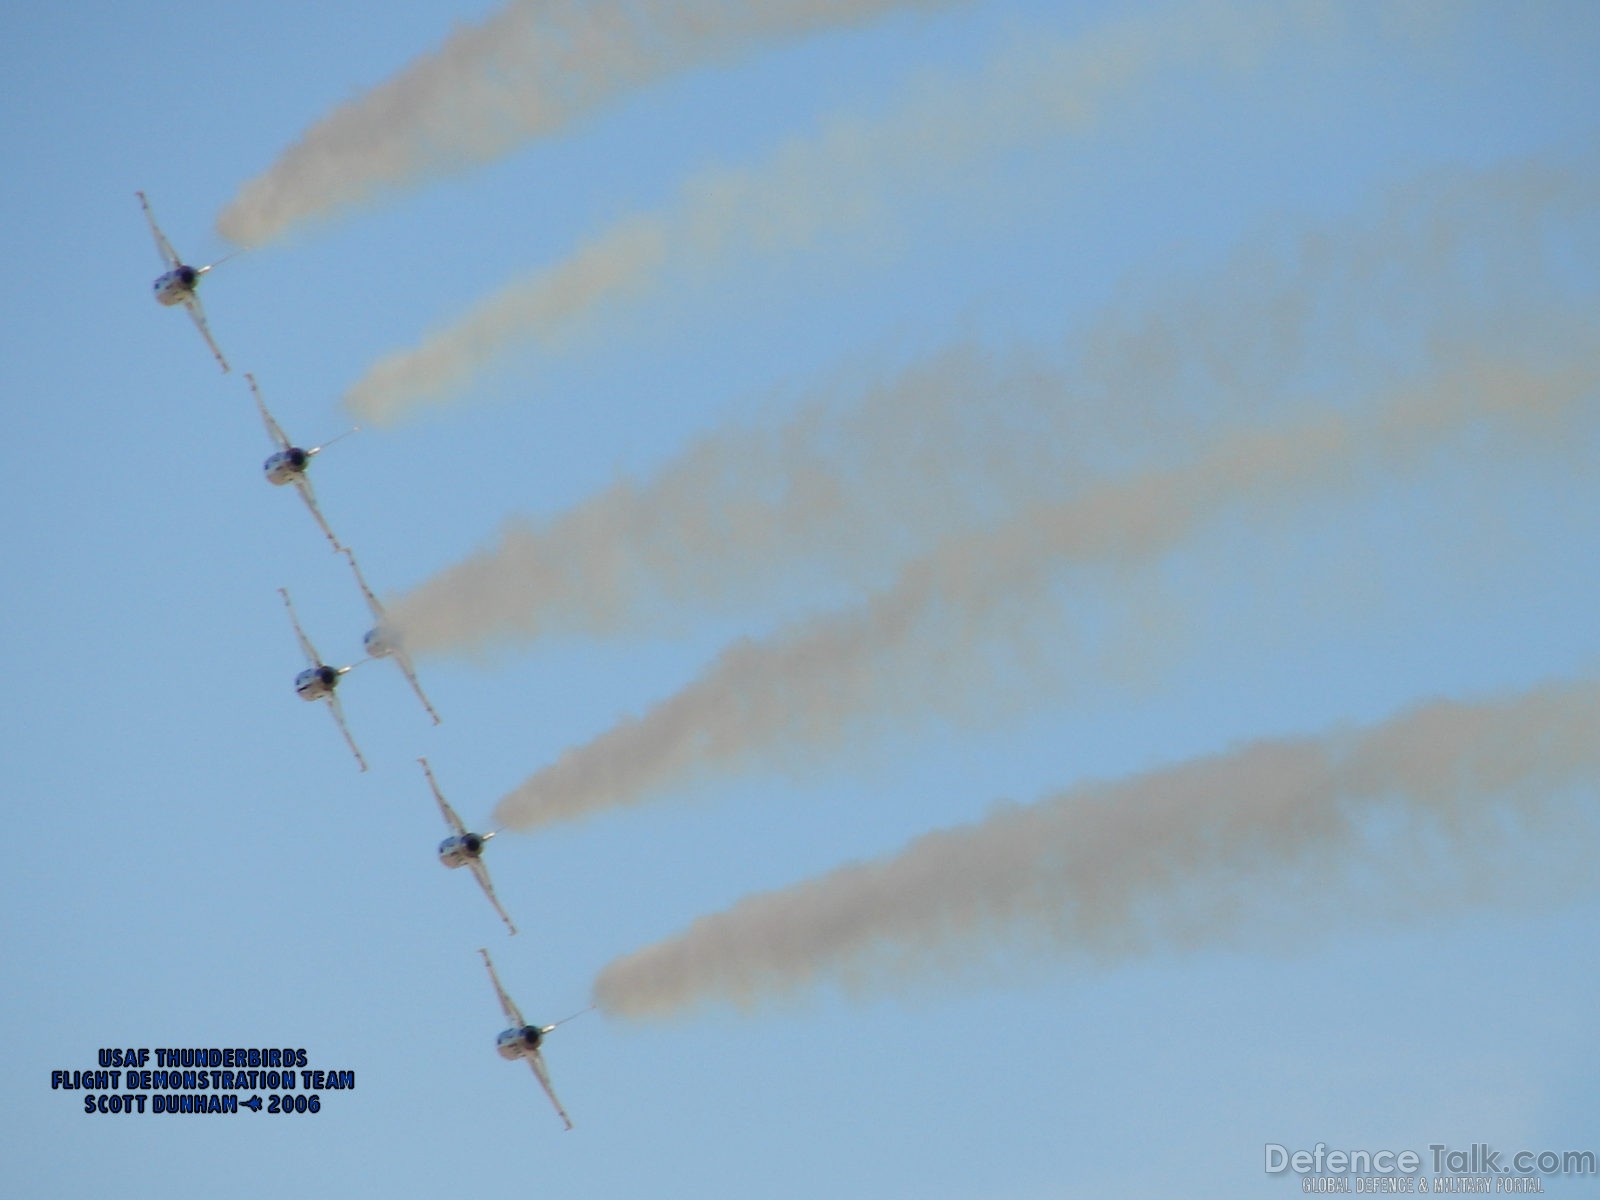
point(524, 72)
point(1409, 812)
point(862, 477)
point(788, 201)
point(811, 683)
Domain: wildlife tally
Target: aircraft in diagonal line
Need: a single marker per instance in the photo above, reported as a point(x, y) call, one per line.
point(290, 462)
point(319, 679)
point(464, 848)
point(523, 1040)
point(178, 283)
point(382, 642)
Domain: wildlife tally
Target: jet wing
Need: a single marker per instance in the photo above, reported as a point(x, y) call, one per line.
point(303, 486)
point(338, 715)
point(306, 647)
point(192, 303)
point(444, 805)
point(481, 873)
point(274, 431)
point(536, 1061)
point(403, 661)
point(511, 1012)
point(163, 247)
point(361, 582)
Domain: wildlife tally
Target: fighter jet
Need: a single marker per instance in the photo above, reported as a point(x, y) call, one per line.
point(522, 1040)
point(177, 285)
point(464, 848)
point(318, 681)
point(383, 643)
point(290, 462)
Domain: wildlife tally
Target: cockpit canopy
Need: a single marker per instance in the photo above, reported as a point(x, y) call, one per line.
point(315, 682)
point(283, 466)
point(380, 642)
point(458, 851)
point(176, 286)
point(515, 1043)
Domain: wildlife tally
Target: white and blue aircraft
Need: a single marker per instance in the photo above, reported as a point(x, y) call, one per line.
point(319, 679)
point(522, 1040)
point(381, 641)
point(177, 285)
point(463, 848)
point(290, 462)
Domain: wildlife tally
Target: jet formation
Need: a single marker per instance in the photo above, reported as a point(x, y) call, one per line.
point(287, 465)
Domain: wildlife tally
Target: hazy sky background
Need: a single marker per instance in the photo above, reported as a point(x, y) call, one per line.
point(981, 403)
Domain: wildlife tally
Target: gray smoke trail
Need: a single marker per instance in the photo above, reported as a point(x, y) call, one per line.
point(1403, 813)
point(861, 477)
point(788, 201)
point(844, 489)
point(524, 72)
point(811, 684)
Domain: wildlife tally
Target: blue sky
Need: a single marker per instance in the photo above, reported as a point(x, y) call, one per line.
point(200, 864)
